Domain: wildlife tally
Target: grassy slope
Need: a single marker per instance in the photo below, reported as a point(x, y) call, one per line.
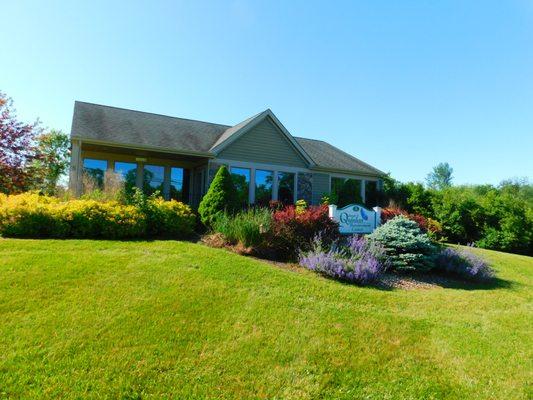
point(134, 319)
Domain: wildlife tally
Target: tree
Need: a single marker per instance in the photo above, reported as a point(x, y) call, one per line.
point(440, 177)
point(419, 199)
point(17, 148)
point(51, 161)
point(221, 197)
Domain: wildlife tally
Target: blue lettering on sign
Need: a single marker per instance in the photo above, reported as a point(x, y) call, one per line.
point(356, 219)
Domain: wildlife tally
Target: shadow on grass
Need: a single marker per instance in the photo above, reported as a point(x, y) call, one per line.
point(392, 281)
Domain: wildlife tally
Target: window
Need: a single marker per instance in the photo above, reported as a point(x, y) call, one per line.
point(128, 172)
point(153, 178)
point(371, 194)
point(179, 184)
point(286, 187)
point(263, 186)
point(241, 180)
point(95, 170)
point(345, 191)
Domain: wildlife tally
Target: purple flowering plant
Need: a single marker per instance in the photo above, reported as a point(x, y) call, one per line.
point(359, 260)
point(464, 263)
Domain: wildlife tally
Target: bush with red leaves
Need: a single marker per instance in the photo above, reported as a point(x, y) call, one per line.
point(292, 231)
point(426, 224)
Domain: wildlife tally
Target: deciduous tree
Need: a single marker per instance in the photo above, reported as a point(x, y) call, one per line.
point(441, 176)
point(17, 148)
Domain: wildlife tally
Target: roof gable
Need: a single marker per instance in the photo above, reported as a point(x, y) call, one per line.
point(263, 144)
point(237, 131)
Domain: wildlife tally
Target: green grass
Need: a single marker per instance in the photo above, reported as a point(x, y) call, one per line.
point(103, 319)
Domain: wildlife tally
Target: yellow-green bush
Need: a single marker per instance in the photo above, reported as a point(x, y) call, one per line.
point(32, 215)
point(170, 218)
point(111, 220)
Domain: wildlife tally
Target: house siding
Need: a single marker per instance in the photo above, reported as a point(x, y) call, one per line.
point(266, 144)
point(320, 186)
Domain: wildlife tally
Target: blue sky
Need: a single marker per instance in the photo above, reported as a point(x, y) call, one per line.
point(402, 85)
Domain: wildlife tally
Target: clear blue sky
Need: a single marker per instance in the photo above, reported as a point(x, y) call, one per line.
point(402, 85)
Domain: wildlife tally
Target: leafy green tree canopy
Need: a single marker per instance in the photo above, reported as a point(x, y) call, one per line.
point(440, 177)
point(51, 161)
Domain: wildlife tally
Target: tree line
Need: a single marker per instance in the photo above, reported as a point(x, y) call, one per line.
point(498, 217)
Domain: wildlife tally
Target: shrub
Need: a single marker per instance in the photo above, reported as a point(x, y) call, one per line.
point(301, 206)
point(406, 246)
point(246, 227)
point(358, 262)
point(430, 226)
point(292, 231)
point(391, 212)
point(461, 215)
point(464, 263)
point(106, 220)
point(31, 215)
point(170, 219)
point(220, 198)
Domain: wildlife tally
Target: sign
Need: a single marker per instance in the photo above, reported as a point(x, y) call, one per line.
point(354, 218)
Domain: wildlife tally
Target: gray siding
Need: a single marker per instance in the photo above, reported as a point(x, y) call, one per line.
point(320, 186)
point(264, 143)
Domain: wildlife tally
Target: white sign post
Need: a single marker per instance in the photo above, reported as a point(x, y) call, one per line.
point(355, 218)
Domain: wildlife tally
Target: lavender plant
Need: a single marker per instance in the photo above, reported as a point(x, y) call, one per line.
point(359, 261)
point(464, 263)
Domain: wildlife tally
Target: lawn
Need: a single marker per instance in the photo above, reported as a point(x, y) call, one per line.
point(164, 319)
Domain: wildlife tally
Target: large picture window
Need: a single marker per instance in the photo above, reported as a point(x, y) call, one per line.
point(286, 187)
point(241, 180)
point(263, 186)
point(95, 170)
point(154, 176)
point(128, 172)
point(345, 191)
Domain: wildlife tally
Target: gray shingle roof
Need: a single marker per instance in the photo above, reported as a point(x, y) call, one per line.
point(119, 125)
point(330, 157)
point(109, 125)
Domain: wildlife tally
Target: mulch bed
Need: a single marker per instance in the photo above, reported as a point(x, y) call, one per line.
point(388, 281)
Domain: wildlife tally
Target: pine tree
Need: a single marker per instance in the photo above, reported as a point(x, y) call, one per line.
point(221, 197)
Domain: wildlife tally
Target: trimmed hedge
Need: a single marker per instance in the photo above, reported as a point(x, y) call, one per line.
point(30, 215)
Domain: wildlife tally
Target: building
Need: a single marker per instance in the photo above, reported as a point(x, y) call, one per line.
point(180, 156)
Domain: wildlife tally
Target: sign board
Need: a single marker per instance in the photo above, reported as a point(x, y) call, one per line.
point(355, 218)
